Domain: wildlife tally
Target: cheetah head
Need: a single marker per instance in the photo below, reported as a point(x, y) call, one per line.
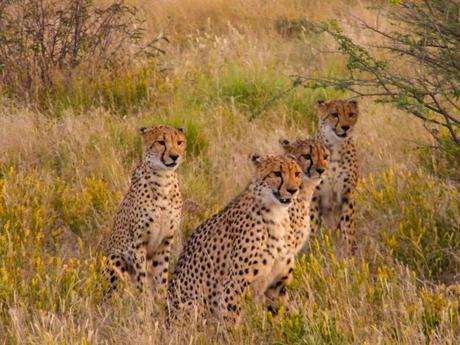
point(279, 178)
point(337, 118)
point(164, 147)
point(312, 156)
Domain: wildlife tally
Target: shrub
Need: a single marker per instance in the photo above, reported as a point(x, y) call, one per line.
point(442, 162)
point(45, 45)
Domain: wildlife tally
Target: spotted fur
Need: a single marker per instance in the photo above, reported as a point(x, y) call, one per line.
point(333, 203)
point(313, 158)
point(243, 247)
point(149, 215)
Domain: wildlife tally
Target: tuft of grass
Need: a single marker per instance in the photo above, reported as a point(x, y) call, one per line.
point(257, 89)
point(419, 220)
point(250, 89)
point(121, 92)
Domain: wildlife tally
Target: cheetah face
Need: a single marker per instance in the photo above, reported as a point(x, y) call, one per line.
point(312, 156)
point(279, 178)
point(338, 118)
point(164, 147)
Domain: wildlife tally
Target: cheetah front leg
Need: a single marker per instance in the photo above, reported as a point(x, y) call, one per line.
point(140, 274)
point(229, 304)
point(276, 296)
point(346, 225)
point(158, 267)
point(115, 267)
point(277, 293)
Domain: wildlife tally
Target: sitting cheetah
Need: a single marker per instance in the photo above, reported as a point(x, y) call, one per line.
point(149, 214)
point(244, 246)
point(313, 157)
point(332, 202)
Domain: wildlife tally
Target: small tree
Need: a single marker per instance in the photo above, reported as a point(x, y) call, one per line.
point(425, 34)
point(44, 41)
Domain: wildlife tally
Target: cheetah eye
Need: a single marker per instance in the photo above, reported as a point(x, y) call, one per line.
point(277, 173)
point(352, 114)
point(307, 156)
point(161, 142)
point(180, 143)
point(326, 157)
point(297, 173)
point(335, 114)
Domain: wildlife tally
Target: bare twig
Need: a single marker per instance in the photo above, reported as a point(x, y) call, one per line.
point(424, 36)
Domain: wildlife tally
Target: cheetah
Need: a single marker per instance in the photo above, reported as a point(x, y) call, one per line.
point(333, 203)
point(313, 158)
point(149, 215)
point(245, 247)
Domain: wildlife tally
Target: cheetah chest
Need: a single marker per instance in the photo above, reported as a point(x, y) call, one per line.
point(276, 252)
point(161, 220)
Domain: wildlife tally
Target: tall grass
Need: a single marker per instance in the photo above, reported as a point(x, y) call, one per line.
point(62, 177)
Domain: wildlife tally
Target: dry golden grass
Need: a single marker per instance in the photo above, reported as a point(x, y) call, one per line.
point(257, 17)
point(61, 180)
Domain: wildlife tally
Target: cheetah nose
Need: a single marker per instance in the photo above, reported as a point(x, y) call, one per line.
point(292, 190)
point(345, 128)
point(320, 170)
point(174, 157)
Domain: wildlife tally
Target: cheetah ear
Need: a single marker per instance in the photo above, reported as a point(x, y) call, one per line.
point(255, 158)
point(320, 102)
point(180, 129)
point(284, 143)
point(353, 102)
point(144, 130)
point(299, 140)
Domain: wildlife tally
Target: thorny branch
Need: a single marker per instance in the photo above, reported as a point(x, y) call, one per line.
point(426, 35)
